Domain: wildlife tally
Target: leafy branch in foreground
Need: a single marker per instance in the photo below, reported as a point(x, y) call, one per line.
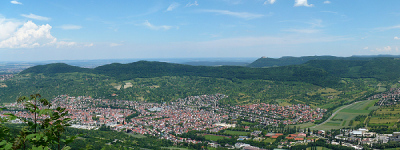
point(44, 131)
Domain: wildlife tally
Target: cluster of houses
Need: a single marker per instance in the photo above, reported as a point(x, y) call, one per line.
point(390, 97)
point(150, 118)
point(271, 114)
point(4, 77)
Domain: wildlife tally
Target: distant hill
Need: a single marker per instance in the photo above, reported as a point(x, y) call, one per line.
point(285, 61)
point(54, 68)
point(384, 68)
point(216, 63)
point(146, 69)
point(318, 70)
point(316, 81)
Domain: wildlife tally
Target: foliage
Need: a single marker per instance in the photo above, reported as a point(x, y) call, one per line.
point(194, 135)
point(145, 69)
point(391, 144)
point(39, 133)
point(54, 68)
point(98, 140)
point(158, 89)
point(286, 61)
point(160, 82)
point(383, 69)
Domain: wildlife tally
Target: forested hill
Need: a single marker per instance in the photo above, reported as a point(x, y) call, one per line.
point(145, 69)
point(285, 61)
point(54, 68)
point(379, 68)
point(317, 72)
point(317, 81)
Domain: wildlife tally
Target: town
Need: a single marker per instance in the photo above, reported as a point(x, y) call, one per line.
point(205, 114)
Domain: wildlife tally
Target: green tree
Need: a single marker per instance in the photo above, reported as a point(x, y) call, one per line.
point(39, 133)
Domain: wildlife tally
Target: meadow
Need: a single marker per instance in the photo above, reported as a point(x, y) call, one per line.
point(241, 133)
point(214, 137)
point(269, 140)
point(344, 116)
point(319, 148)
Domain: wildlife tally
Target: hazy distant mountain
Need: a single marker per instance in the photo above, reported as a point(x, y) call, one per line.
point(288, 60)
point(211, 63)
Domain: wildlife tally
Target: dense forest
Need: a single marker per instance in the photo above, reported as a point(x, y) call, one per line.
point(316, 83)
point(289, 60)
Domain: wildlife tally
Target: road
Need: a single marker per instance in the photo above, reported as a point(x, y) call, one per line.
point(333, 114)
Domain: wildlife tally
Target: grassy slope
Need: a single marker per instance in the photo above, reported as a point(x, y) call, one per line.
point(343, 117)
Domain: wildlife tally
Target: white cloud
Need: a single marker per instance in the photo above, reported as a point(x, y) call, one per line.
point(302, 3)
point(244, 15)
point(89, 45)
point(115, 44)
point(192, 4)
point(65, 44)
point(173, 6)
point(35, 17)
point(153, 27)
point(269, 2)
point(70, 27)
point(327, 2)
point(384, 49)
point(365, 47)
point(388, 28)
point(396, 38)
point(8, 27)
point(29, 35)
point(16, 2)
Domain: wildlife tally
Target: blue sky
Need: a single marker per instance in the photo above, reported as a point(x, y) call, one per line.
point(103, 29)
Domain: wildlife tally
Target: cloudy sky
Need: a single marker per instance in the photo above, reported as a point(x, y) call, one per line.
point(104, 29)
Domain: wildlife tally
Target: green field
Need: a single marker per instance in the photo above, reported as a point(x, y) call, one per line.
point(174, 148)
point(381, 89)
point(319, 148)
point(355, 111)
point(243, 133)
point(214, 137)
point(303, 125)
point(333, 123)
point(397, 148)
point(387, 116)
point(348, 114)
point(269, 140)
point(384, 120)
point(344, 123)
point(249, 123)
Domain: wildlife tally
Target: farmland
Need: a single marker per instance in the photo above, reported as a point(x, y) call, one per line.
point(385, 119)
point(344, 116)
